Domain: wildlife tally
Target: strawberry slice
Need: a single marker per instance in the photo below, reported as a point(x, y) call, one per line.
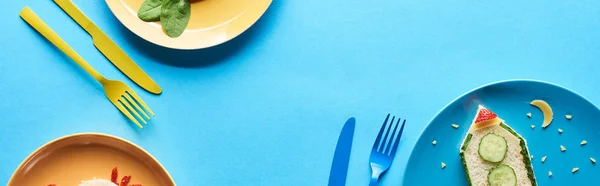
point(485, 115)
point(485, 118)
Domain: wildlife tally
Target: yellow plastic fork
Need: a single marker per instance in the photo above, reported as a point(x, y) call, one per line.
point(117, 92)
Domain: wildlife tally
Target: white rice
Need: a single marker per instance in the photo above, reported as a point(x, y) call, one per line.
point(97, 182)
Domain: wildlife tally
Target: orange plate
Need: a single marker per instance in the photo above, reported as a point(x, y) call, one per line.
point(212, 22)
point(68, 160)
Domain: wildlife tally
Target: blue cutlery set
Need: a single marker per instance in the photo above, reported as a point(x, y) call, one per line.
point(382, 154)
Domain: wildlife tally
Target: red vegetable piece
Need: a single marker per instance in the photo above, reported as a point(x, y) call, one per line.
point(484, 115)
point(55, 185)
point(135, 185)
point(125, 180)
point(114, 175)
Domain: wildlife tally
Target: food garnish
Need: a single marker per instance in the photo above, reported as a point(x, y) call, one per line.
point(485, 118)
point(502, 175)
point(174, 15)
point(150, 10)
point(543, 159)
point(546, 111)
point(493, 148)
point(113, 176)
point(125, 180)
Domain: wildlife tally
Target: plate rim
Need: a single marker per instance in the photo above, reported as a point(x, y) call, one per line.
point(112, 5)
point(36, 151)
point(414, 145)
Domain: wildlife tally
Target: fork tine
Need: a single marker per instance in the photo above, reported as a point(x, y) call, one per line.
point(387, 134)
point(126, 112)
point(397, 140)
point(376, 144)
point(389, 144)
point(135, 104)
point(124, 102)
point(139, 100)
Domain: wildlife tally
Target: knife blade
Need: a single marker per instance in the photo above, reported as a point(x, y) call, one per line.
point(110, 49)
point(341, 158)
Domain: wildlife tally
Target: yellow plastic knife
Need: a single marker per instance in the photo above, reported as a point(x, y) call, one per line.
point(110, 49)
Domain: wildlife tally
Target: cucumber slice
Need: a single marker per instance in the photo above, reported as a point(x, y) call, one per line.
point(492, 148)
point(502, 175)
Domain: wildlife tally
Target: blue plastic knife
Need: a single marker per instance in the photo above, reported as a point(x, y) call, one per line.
point(341, 158)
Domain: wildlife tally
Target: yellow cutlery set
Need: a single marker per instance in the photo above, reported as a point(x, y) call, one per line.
point(119, 94)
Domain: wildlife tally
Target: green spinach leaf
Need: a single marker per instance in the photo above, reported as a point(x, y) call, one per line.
point(150, 10)
point(174, 16)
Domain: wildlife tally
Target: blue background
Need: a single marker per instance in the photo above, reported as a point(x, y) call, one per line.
point(267, 107)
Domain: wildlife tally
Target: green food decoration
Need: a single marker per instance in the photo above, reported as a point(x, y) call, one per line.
point(150, 10)
point(174, 16)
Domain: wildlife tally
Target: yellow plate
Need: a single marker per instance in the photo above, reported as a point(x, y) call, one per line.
point(68, 160)
point(212, 22)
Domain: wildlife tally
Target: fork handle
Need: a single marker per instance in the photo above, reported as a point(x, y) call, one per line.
point(374, 179)
point(30, 17)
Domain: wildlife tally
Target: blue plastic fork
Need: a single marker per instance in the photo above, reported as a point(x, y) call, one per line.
point(381, 155)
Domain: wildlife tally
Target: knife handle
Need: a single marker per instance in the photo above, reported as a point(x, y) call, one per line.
point(30, 17)
point(75, 13)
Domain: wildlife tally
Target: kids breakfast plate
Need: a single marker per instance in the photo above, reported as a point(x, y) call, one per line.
point(562, 153)
point(90, 158)
point(211, 22)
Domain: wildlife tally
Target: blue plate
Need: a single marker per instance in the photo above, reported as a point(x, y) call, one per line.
point(510, 100)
